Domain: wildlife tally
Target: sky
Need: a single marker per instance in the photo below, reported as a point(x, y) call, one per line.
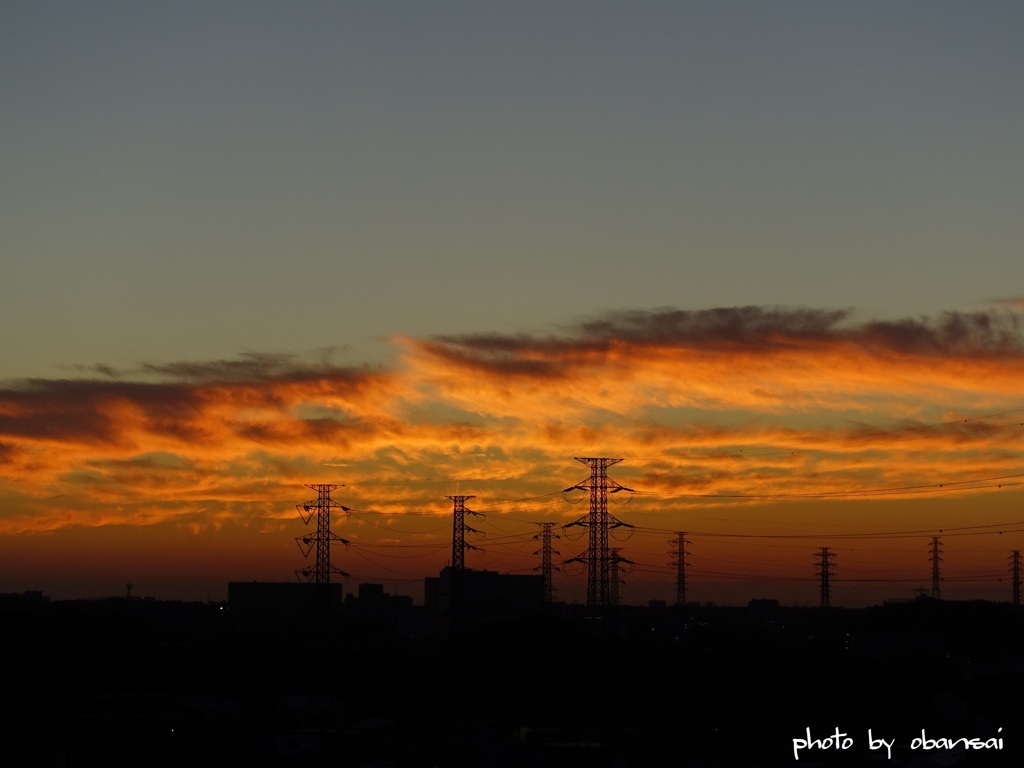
point(766, 254)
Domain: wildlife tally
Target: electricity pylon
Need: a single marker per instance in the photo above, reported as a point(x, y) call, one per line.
point(459, 528)
point(321, 506)
point(598, 522)
point(679, 558)
point(545, 553)
point(1015, 567)
point(825, 568)
point(936, 551)
point(615, 579)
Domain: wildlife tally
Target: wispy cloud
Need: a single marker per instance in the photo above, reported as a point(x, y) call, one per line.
point(750, 358)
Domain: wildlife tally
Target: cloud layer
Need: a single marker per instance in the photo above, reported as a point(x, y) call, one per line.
point(744, 406)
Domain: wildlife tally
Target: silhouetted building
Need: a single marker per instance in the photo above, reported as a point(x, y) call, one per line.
point(372, 593)
point(27, 599)
point(371, 602)
point(282, 598)
point(483, 592)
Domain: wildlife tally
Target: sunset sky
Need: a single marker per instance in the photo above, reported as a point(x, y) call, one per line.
point(769, 254)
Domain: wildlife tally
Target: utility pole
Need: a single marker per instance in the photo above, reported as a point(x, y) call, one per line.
point(1015, 567)
point(679, 558)
point(321, 506)
point(598, 522)
point(936, 551)
point(825, 568)
point(545, 553)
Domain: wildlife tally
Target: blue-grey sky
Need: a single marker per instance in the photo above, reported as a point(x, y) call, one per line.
point(194, 180)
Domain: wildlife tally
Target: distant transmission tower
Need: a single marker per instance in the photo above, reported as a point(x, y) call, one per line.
point(613, 578)
point(825, 568)
point(320, 541)
point(616, 574)
point(459, 528)
point(545, 553)
point(1015, 567)
point(936, 551)
point(598, 522)
point(679, 558)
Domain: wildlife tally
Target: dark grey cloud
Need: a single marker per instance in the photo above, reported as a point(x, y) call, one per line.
point(101, 369)
point(62, 409)
point(505, 355)
point(751, 325)
point(953, 334)
point(85, 409)
point(248, 367)
point(977, 334)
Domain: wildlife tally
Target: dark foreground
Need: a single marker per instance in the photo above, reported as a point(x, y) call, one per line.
point(150, 683)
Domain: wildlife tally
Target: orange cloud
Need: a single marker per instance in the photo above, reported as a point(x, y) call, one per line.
point(745, 408)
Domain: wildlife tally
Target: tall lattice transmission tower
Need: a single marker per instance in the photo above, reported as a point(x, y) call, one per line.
point(825, 569)
point(598, 522)
point(936, 559)
point(321, 506)
point(679, 555)
point(545, 553)
point(1015, 569)
point(459, 528)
